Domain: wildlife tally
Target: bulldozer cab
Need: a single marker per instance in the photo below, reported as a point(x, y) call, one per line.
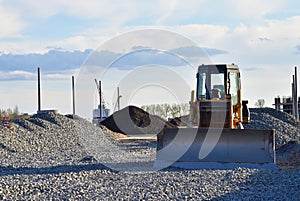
point(218, 82)
point(219, 92)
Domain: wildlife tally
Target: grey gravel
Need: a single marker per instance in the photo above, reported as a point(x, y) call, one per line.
point(238, 184)
point(287, 128)
point(56, 157)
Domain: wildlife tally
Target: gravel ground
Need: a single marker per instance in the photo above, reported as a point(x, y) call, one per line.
point(52, 156)
point(238, 184)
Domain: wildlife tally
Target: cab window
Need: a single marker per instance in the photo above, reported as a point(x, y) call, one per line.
point(211, 86)
point(234, 87)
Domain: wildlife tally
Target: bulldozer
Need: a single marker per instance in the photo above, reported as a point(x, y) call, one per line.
point(215, 137)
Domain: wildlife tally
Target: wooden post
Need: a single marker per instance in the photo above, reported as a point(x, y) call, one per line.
point(73, 94)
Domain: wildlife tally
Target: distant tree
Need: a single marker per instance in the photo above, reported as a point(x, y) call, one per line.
point(260, 103)
point(185, 108)
point(175, 110)
point(11, 113)
point(15, 113)
point(166, 110)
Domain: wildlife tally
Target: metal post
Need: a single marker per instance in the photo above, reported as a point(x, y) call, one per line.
point(73, 94)
point(39, 89)
point(293, 99)
point(100, 98)
point(296, 95)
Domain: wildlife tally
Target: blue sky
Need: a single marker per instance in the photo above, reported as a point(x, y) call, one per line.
point(262, 37)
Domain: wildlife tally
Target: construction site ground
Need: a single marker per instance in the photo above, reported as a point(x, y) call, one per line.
point(53, 156)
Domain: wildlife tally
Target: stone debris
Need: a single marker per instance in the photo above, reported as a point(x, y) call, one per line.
point(287, 128)
point(52, 156)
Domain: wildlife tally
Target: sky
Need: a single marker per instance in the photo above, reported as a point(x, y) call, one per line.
point(262, 37)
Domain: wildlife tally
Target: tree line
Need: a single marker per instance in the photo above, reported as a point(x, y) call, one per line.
point(9, 113)
point(166, 110)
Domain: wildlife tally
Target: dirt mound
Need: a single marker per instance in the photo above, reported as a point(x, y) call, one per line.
point(180, 121)
point(133, 120)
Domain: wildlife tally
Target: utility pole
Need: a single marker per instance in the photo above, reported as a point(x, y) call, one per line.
point(39, 89)
point(73, 94)
point(100, 96)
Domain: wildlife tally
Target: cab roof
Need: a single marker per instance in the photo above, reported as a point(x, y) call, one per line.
point(219, 67)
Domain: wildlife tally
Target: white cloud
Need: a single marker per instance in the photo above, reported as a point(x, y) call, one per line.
point(175, 10)
point(203, 34)
point(110, 17)
point(76, 43)
point(254, 9)
point(282, 29)
point(109, 11)
point(244, 41)
point(10, 23)
point(21, 47)
point(31, 9)
point(18, 74)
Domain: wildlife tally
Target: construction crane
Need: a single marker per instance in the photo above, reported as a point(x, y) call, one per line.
point(117, 104)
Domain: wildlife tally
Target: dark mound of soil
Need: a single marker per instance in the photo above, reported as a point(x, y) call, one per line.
point(180, 121)
point(133, 120)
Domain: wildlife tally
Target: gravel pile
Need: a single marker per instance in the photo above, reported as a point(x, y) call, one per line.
point(51, 156)
point(287, 133)
point(43, 140)
point(287, 128)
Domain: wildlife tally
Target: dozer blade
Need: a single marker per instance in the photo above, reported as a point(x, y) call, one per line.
point(213, 148)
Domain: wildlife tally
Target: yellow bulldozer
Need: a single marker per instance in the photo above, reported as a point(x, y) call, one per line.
point(215, 137)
